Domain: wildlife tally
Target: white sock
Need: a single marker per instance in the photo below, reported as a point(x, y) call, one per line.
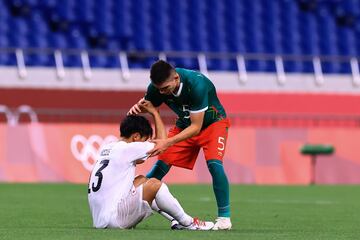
point(167, 203)
point(155, 207)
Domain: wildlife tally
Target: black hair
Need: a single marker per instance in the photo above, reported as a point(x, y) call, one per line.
point(135, 124)
point(160, 71)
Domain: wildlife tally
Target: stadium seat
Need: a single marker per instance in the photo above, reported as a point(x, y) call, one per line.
point(300, 27)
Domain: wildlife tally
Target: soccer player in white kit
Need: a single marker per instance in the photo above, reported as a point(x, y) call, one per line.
point(117, 198)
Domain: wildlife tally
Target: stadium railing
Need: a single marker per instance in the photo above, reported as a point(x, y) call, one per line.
point(202, 58)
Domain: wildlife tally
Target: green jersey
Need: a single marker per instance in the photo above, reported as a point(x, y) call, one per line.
point(196, 94)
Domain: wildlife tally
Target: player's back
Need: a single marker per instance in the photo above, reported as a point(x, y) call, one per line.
point(112, 178)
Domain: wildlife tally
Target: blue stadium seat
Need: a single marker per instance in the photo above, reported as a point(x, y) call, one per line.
point(357, 43)
point(66, 10)
point(257, 27)
point(122, 18)
point(57, 41)
point(234, 26)
point(98, 61)
point(32, 3)
point(47, 4)
point(112, 62)
point(76, 40)
point(4, 56)
point(84, 10)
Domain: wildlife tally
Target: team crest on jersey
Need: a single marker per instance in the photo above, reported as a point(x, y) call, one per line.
point(133, 190)
point(86, 150)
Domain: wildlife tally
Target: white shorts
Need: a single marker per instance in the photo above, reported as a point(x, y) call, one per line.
point(131, 210)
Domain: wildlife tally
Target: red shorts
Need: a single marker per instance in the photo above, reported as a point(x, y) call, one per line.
point(212, 140)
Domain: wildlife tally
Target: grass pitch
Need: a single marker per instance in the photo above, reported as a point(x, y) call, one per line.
point(60, 211)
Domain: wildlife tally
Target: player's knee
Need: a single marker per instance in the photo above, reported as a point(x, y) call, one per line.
point(154, 183)
point(140, 177)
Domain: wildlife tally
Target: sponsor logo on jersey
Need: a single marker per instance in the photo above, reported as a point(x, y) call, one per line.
point(105, 152)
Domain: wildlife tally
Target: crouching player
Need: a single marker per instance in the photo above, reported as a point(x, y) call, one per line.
point(117, 198)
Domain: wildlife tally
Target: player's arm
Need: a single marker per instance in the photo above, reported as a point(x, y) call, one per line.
point(159, 126)
point(190, 131)
point(147, 106)
point(151, 95)
point(140, 150)
point(135, 109)
point(137, 151)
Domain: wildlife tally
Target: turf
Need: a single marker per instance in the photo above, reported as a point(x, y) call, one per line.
point(60, 211)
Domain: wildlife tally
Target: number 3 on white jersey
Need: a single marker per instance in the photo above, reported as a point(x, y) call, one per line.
point(221, 141)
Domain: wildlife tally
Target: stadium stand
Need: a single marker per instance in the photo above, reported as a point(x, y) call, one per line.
point(287, 27)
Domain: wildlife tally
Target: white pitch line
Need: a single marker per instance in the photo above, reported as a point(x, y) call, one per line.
point(205, 199)
point(279, 201)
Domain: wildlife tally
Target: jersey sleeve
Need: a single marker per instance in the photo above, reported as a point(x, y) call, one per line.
point(138, 150)
point(199, 101)
point(153, 95)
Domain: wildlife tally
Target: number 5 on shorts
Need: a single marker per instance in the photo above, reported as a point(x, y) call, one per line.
point(221, 141)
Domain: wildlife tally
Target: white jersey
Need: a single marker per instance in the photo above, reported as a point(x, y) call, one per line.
point(112, 178)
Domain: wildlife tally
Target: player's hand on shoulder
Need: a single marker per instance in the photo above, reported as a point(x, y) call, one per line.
point(160, 146)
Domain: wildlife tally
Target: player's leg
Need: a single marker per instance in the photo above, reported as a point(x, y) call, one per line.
point(166, 202)
point(174, 223)
point(159, 170)
point(222, 194)
point(132, 209)
point(213, 141)
point(140, 179)
point(220, 186)
point(181, 154)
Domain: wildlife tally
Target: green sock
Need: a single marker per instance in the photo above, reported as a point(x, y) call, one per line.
point(159, 170)
point(220, 186)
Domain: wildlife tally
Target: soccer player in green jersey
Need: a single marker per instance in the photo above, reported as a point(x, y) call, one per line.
point(201, 123)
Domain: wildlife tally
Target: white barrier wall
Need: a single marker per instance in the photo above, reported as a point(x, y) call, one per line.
point(112, 79)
